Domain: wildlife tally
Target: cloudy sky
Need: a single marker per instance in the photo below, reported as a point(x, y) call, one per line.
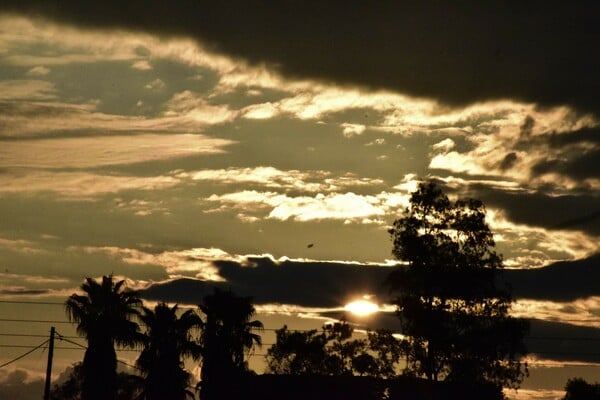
point(267, 146)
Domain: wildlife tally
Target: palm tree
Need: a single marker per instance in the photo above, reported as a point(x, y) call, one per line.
point(167, 340)
point(104, 317)
point(227, 335)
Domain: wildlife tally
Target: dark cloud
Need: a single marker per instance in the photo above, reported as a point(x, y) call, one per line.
point(527, 126)
point(314, 283)
point(331, 284)
point(564, 342)
point(575, 222)
point(578, 153)
point(319, 284)
point(586, 166)
point(586, 135)
point(310, 284)
point(537, 51)
point(582, 167)
point(561, 281)
point(509, 161)
point(577, 211)
point(546, 166)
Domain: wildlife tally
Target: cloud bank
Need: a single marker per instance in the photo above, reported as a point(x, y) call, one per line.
point(539, 52)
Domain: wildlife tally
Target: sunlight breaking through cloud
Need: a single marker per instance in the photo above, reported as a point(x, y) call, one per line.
point(369, 209)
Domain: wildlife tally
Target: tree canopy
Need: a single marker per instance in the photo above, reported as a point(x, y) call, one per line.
point(450, 300)
point(104, 316)
point(333, 352)
point(227, 335)
point(107, 314)
point(128, 385)
point(168, 339)
point(579, 389)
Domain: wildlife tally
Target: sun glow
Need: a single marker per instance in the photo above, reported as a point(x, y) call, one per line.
point(361, 307)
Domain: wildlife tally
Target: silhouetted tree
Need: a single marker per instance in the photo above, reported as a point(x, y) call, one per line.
point(70, 389)
point(579, 389)
point(128, 385)
point(104, 317)
point(449, 299)
point(300, 353)
point(332, 352)
point(227, 336)
point(167, 340)
point(386, 352)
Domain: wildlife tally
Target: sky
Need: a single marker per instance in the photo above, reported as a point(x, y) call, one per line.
point(266, 147)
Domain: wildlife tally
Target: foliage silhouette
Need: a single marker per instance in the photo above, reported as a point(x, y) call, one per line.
point(579, 389)
point(104, 317)
point(448, 298)
point(332, 352)
point(227, 335)
point(128, 386)
point(347, 387)
point(167, 340)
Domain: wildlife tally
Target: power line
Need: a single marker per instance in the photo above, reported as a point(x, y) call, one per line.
point(64, 338)
point(85, 348)
point(69, 322)
point(139, 369)
point(268, 330)
point(16, 346)
point(35, 302)
point(119, 361)
point(67, 348)
point(53, 303)
point(21, 335)
point(34, 321)
point(25, 354)
point(22, 346)
point(32, 335)
point(82, 347)
point(272, 330)
point(305, 330)
point(129, 365)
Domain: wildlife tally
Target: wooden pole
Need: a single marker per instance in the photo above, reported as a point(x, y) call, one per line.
point(49, 366)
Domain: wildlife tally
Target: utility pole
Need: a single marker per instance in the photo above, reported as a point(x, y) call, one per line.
point(49, 366)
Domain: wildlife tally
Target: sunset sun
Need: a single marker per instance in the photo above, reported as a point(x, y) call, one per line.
point(361, 307)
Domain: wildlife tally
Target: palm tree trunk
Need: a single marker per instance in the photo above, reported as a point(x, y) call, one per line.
point(100, 376)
